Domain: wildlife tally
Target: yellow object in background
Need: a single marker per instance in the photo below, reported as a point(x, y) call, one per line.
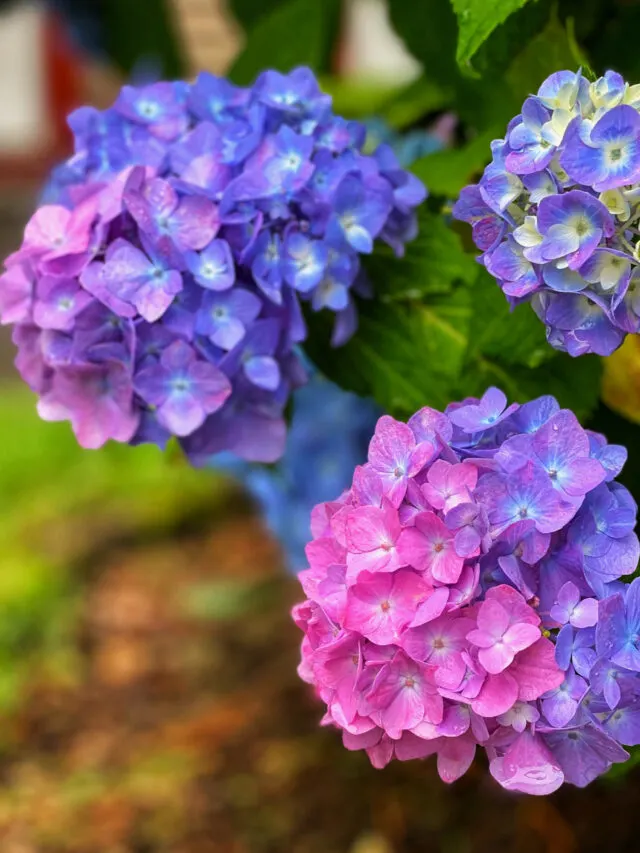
point(621, 380)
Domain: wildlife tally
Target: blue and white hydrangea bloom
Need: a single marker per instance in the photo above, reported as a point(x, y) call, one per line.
point(556, 214)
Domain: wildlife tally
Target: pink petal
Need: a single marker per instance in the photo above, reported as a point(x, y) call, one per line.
point(409, 747)
point(514, 603)
point(432, 526)
point(367, 485)
point(404, 712)
point(456, 721)
point(420, 457)
point(481, 639)
point(497, 658)
point(324, 552)
point(497, 695)
point(363, 741)
point(527, 766)
point(47, 225)
point(381, 754)
point(338, 524)
point(413, 548)
point(391, 445)
point(432, 606)
point(446, 567)
point(493, 619)
point(429, 424)
point(369, 609)
point(536, 671)
point(455, 757)
point(370, 527)
point(321, 516)
point(381, 560)
point(450, 672)
point(436, 483)
point(433, 704)
point(410, 591)
point(521, 636)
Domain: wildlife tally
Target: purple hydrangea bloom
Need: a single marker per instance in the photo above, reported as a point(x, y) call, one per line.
point(466, 592)
point(160, 293)
point(555, 213)
point(182, 388)
point(618, 632)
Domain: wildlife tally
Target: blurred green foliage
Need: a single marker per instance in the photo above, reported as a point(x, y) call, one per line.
point(59, 506)
point(285, 34)
point(140, 37)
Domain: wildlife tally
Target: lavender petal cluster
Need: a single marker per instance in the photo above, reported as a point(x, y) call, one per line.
point(159, 294)
point(467, 592)
point(556, 214)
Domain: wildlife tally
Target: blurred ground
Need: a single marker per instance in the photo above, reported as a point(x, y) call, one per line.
point(148, 692)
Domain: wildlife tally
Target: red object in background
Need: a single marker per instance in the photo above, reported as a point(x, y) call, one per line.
point(63, 75)
point(62, 69)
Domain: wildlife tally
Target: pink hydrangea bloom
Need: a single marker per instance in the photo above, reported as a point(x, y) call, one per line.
point(445, 600)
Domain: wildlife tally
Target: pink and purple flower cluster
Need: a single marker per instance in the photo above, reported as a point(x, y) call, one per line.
point(159, 294)
point(465, 591)
point(556, 214)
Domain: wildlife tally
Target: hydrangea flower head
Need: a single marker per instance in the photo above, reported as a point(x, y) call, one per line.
point(555, 215)
point(467, 591)
point(159, 291)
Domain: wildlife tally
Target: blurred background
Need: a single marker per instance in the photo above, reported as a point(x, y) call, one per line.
point(149, 701)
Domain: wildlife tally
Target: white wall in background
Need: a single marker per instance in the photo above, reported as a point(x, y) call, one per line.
point(372, 49)
point(22, 79)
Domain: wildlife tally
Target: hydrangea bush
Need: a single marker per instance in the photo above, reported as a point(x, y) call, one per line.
point(556, 214)
point(466, 591)
point(159, 295)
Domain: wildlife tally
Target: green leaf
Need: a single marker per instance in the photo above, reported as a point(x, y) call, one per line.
point(141, 32)
point(512, 337)
point(293, 33)
point(432, 263)
point(494, 100)
point(509, 349)
point(439, 329)
point(477, 19)
point(496, 54)
point(575, 382)
point(249, 12)
point(551, 50)
point(605, 34)
point(579, 55)
point(447, 172)
point(404, 357)
point(411, 342)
